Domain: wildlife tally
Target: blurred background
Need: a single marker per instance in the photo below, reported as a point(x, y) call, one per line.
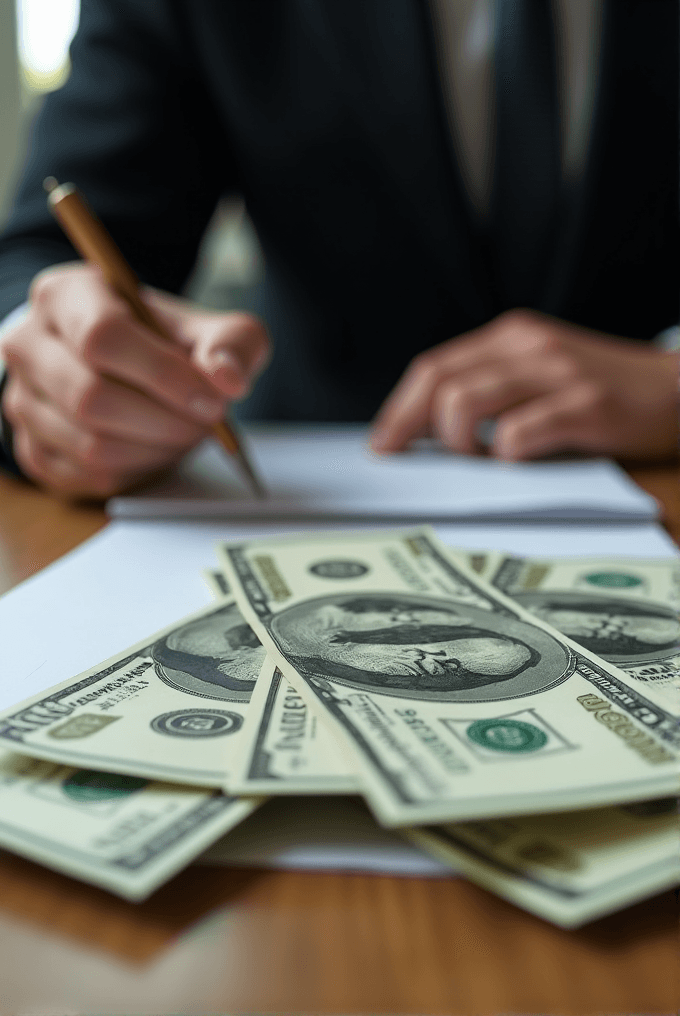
point(34, 41)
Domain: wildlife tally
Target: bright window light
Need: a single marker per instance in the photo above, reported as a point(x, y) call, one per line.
point(45, 29)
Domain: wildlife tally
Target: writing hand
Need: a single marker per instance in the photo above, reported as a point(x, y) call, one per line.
point(550, 386)
point(79, 428)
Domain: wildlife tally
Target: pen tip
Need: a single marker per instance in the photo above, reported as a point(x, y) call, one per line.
point(50, 183)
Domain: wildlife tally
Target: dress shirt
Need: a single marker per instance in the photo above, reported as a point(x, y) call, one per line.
point(465, 45)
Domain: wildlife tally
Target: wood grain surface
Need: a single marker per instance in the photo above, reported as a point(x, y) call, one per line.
point(219, 940)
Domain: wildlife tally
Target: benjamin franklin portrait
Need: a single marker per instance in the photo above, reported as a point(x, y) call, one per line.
point(419, 646)
point(617, 629)
point(217, 656)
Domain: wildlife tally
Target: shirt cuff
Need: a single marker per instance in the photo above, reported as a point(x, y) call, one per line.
point(668, 339)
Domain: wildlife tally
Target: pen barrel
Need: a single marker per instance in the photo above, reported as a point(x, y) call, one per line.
point(227, 436)
point(94, 243)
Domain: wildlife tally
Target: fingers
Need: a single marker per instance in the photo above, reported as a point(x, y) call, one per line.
point(230, 349)
point(93, 401)
point(509, 346)
point(100, 330)
point(26, 408)
point(460, 404)
point(405, 415)
point(63, 475)
point(567, 420)
point(68, 459)
point(451, 406)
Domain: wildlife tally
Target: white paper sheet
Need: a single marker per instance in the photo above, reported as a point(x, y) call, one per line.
point(320, 834)
point(330, 473)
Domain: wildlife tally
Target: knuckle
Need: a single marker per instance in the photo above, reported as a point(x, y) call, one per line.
point(456, 398)
point(453, 409)
point(525, 333)
point(518, 317)
point(256, 338)
point(591, 395)
point(12, 351)
point(546, 343)
point(14, 402)
point(424, 364)
point(85, 398)
point(14, 343)
point(566, 369)
point(90, 451)
point(41, 289)
point(29, 456)
point(102, 335)
point(538, 342)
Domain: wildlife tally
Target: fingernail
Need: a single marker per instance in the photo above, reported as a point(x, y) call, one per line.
point(207, 409)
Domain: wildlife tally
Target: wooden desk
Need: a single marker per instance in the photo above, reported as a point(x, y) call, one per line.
point(236, 941)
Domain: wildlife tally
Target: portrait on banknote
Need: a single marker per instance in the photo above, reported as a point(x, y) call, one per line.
point(217, 656)
point(419, 646)
point(617, 629)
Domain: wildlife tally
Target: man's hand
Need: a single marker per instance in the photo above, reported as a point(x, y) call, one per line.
point(550, 386)
point(96, 401)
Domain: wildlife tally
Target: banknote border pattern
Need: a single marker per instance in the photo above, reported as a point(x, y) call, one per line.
point(8, 732)
point(258, 764)
point(136, 860)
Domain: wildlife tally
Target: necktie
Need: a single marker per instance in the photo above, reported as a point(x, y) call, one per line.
point(526, 178)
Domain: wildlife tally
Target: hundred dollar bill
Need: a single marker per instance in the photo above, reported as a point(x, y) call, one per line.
point(623, 609)
point(286, 748)
point(171, 707)
point(218, 584)
point(569, 867)
point(123, 833)
point(453, 701)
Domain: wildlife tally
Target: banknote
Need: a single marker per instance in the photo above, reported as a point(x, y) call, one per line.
point(171, 707)
point(568, 867)
point(623, 609)
point(219, 586)
point(286, 748)
point(453, 701)
point(126, 834)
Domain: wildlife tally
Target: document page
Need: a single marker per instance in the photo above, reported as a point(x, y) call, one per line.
point(331, 473)
point(321, 834)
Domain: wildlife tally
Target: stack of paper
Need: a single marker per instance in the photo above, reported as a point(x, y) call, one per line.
point(332, 474)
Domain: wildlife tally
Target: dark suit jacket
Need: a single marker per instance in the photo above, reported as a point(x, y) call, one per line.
point(328, 116)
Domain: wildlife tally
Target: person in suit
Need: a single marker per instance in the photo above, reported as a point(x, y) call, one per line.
point(405, 274)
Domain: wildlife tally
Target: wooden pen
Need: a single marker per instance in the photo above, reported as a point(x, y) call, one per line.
point(94, 243)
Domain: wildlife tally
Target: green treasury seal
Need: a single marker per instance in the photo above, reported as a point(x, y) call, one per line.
point(507, 735)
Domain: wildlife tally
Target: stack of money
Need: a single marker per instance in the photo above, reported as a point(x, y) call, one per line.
point(516, 718)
